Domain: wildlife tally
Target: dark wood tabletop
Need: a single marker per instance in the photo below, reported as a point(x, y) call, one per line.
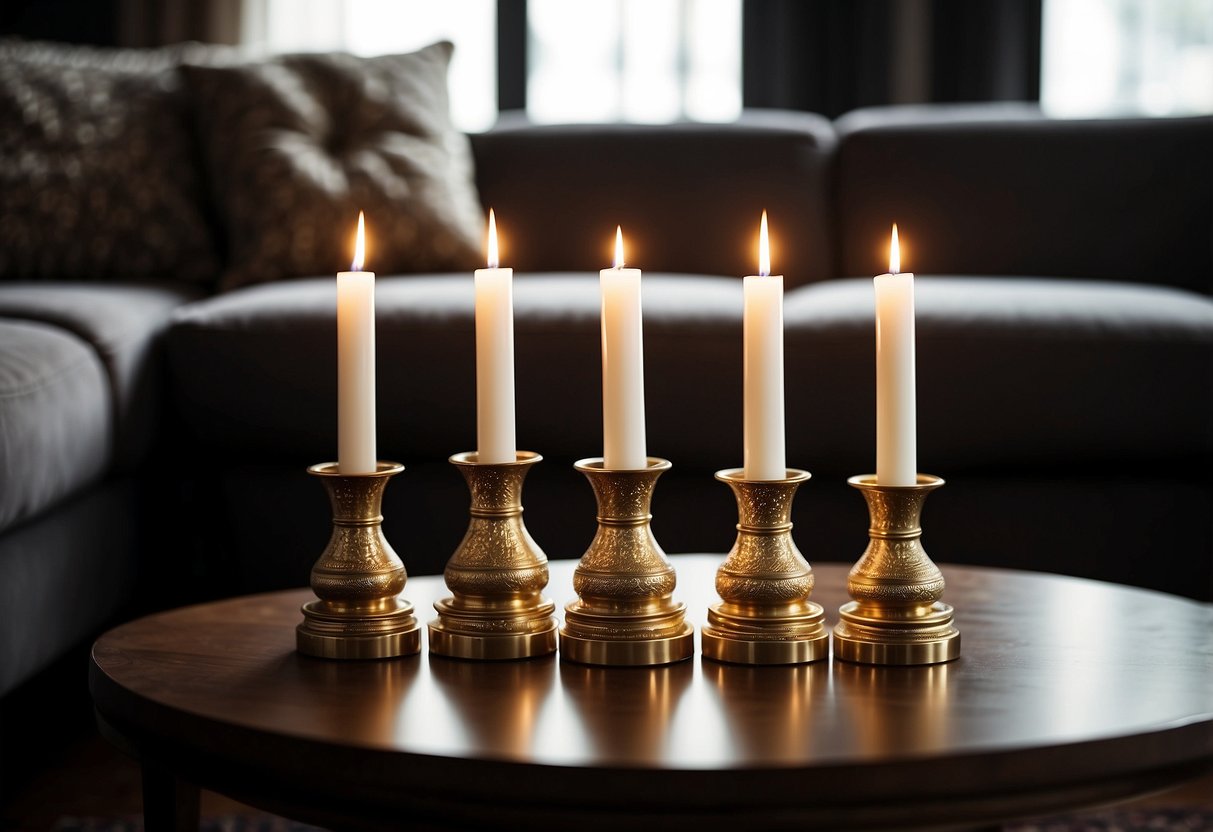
point(1068, 692)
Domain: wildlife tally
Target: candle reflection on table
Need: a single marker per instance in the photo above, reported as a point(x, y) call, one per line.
point(325, 689)
point(497, 704)
point(894, 709)
point(796, 699)
point(626, 713)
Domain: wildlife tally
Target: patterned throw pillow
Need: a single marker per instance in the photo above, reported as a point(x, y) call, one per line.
point(99, 175)
point(299, 144)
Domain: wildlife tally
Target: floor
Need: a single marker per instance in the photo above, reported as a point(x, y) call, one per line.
point(93, 780)
point(62, 768)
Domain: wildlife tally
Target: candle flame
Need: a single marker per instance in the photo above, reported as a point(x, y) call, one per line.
point(764, 249)
point(492, 259)
point(894, 254)
point(619, 247)
point(359, 246)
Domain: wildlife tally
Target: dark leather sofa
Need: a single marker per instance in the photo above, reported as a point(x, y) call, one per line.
point(153, 439)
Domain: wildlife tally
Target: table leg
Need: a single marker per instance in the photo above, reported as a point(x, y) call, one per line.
point(169, 803)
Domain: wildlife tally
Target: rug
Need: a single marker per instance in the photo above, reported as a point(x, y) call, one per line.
point(1180, 819)
point(224, 823)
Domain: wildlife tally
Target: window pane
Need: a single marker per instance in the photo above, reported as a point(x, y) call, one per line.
point(1108, 57)
point(574, 54)
point(635, 60)
point(379, 27)
point(714, 47)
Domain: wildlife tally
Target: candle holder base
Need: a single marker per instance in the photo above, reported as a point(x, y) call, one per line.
point(765, 616)
point(376, 634)
point(895, 617)
point(625, 614)
point(927, 638)
point(497, 575)
point(503, 647)
point(625, 643)
point(358, 578)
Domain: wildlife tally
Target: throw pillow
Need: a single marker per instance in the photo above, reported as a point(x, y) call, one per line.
point(299, 144)
point(99, 175)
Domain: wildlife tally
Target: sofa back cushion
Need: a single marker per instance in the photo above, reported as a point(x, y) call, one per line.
point(689, 196)
point(297, 145)
point(998, 190)
point(99, 178)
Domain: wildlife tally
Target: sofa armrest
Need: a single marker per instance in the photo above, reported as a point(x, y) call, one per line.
point(1002, 189)
point(688, 195)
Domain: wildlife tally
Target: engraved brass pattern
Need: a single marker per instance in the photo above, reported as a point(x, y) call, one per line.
point(765, 615)
point(497, 574)
point(896, 616)
point(358, 579)
point(625, 613)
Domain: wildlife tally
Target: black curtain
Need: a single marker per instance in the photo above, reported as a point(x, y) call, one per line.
point(93, 22)
point(511, 54)
point(138, 23)
point(826, 56)
point(987, 50)
point(831, 56)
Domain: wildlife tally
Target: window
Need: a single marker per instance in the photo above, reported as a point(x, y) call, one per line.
point(631, 60)
point(1118, 57)
point(634, 60)
point(378, 27)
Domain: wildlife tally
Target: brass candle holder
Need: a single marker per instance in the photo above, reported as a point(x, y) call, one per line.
point(896, 617)
point(765, 615)
point(624, 613)
point(498, 573)
point(358, 579)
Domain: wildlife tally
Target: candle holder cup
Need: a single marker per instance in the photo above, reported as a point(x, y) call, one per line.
point(765, 615)
point(624, 613)
point(895, 617)
point(358, 579)
point(498, 573)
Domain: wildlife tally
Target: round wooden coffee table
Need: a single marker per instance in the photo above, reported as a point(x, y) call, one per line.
point(1069, 692)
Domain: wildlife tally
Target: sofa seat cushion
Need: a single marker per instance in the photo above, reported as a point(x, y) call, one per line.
point(64, 576)
point(1013, 373)
point(56, 423)
point(122, 323)
point(255, 369)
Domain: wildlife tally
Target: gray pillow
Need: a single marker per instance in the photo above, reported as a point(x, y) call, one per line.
point(299, 144)
point(99, 172)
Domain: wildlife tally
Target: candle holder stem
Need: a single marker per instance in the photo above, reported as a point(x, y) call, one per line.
point(895, 617)
point(625, 614)
point(359, 613)
point(498, 573)
point(765, 616)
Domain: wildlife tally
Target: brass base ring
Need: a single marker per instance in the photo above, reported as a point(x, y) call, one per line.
point(628, 652)
point(492, 646)
point(365, 635)
point(927, 639)
point(801, 639)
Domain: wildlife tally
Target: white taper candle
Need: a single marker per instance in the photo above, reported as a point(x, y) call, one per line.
point(356, 364)
point(623, 429)
point(896, 426)
point(763, 359)
point(495, 436)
